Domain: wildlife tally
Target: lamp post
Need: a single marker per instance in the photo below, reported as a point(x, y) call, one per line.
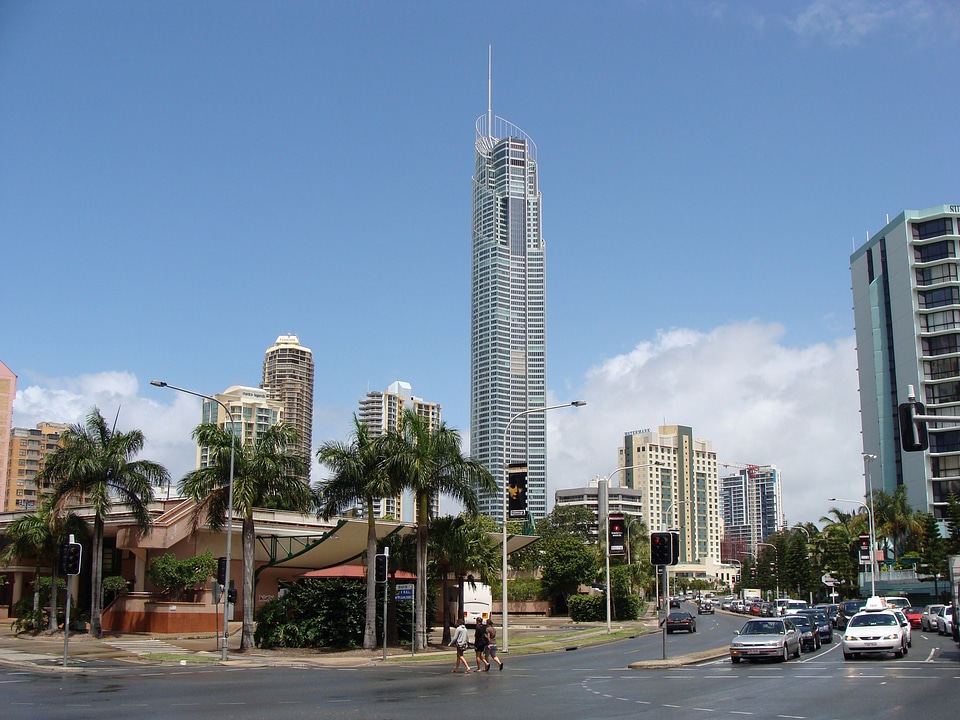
point(506, 472)
point(606, 520)
point(739, 571)
point(869, 508)
point(226, 575)
point(868, 459)
point(776, 559)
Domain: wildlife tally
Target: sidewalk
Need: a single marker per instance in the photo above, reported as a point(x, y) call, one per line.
point(526, 635)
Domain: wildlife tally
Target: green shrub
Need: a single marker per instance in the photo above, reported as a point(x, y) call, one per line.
point(174, 576)
point(315, 613)
point(587, 608)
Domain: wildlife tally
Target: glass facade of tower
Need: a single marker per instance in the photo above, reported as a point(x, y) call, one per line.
point(508, 321)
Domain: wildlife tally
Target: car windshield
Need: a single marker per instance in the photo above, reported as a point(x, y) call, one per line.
point(679, 616)
point(852, 606)
point(762, 628)
point(872, 620)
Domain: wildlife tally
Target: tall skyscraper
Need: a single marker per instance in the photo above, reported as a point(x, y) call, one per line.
point(508, 349)
point(252, 409)
point(752, 508)
point(28, 450)
point(906, 304)
point(8, 391)
point(677, 476)
point(288, 378)
point(381, 412)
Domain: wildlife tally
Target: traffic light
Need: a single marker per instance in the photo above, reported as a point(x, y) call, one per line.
point(380, 568)
point(222, 570)
point(773, 568)
point(615, 533)
point(232, 596)
point(753, 573)
point(913, 435)
point(663, 549)
point(863, 542)
point(69, 559)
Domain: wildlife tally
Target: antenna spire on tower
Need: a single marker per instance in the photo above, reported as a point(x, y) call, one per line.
point(490, 91)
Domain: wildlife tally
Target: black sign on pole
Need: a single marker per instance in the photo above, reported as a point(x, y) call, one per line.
point(517, 491)
point(617, 545)
point(864, 543)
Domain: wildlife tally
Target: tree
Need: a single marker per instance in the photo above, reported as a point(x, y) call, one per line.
point(359, 475)
point(95, 465)
point(428, 461)
point(174, 576)
point(840, 549)
point(567, 564)
point(269, 469)
point(894, 518)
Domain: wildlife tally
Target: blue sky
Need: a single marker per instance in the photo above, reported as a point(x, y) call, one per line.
point(182, 182)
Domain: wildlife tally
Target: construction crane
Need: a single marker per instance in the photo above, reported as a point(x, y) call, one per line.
point(749, 467)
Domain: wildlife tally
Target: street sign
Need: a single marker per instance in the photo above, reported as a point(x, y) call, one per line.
point(828, 580)
point(404, 591)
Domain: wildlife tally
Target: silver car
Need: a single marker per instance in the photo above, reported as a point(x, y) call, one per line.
point(776, 638)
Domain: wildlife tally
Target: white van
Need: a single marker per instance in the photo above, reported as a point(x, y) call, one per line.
point(477, 603)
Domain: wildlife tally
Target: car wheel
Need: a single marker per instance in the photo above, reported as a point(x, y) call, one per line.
point(797, 653)
point(735, 660)
point(786, 654)
point(899, 653)
point(848, 656)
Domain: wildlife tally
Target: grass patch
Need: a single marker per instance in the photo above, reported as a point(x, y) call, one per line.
point(172, 657)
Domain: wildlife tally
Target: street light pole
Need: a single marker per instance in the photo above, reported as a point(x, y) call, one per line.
point(869, 509)
point(506, 472)
point(868, 460)
point(606, 521)
point(226, 575)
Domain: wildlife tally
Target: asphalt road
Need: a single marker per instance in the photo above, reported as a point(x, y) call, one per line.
point(588, 682)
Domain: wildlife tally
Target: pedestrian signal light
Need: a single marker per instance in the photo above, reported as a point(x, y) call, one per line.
point(70, 557)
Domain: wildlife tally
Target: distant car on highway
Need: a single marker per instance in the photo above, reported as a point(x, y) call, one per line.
point(848, 608)
point(824, 627)
point(776, 638)
point(681, 620)
point(945, 620)
point(809, 632)
point(914, 615)
point(706, 606)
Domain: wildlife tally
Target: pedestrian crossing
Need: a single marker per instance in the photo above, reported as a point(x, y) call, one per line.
point(146, 646)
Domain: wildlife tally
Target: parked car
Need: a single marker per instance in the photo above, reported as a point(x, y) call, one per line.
point(928, 621)
point(681, 620)
point(822, 622)
point(726, 604)
point(767, 610)
point(706, 606)
point(848, 608)
point(776, 638)
point(873, 632)
point(945, 620)
point(914, 615)
point(809, 633)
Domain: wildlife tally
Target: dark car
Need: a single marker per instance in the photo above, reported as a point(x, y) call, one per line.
point(809, 634)
point(674, 602)
point(848, 608)
point(681, 620)
point(830, 609)
point(822, 622)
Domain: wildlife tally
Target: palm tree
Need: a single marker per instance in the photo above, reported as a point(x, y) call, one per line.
point(894, 518)
point(95, 466)
point(264, 471)
point(359, 475)
point(428, 461)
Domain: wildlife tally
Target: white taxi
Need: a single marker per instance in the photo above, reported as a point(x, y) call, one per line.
point(874, 630)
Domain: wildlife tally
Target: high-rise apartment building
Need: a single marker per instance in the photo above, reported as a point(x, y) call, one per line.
point(906, 304)
point(508, 349)
point(288, 378)
point(382, 412)
point(8, 391)
point(253, 414)
point(752, 508)
point(27, 451)
point(677, 476)
point(620, 500)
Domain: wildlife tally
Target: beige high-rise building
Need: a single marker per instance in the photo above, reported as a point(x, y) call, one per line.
point(8, 390)
point(381, 412)
point(27, 450)
point(252, 409)
point(288, 379)
point(677, 475)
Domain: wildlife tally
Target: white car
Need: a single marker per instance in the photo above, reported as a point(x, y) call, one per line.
point(928, 621)
point(945, 620)
point(873, 632)
point(905, 624)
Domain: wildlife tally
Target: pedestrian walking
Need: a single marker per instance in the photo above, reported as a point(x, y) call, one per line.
point(490, 651)
point(460, 640)
point(480, 644)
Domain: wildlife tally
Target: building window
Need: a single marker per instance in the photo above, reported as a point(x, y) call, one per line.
point(939, 297)
point(945, 442)
point(937, 274)
point(938, 321)
point(932, 228)
point(941, 369)
point(941, 344)
point(943, 393)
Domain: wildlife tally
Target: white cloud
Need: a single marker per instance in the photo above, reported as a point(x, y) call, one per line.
point(848, 22)
point(757, 400)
